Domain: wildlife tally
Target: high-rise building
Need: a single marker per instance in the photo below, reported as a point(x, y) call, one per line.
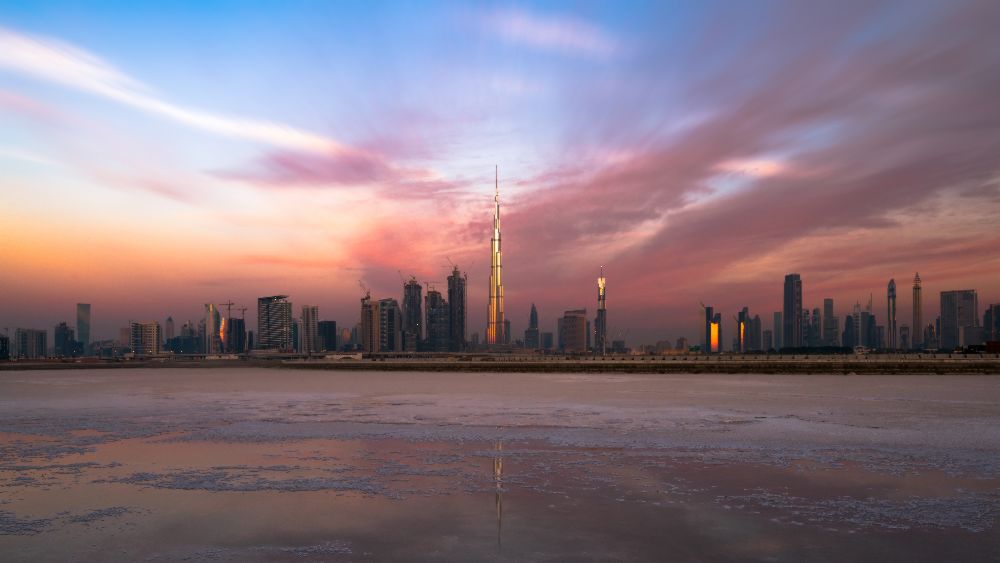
point(83, 324)
point(236, 335)
point(904, 337)
point(145, 338)
point(815, 326)
point(30, 343)
point(369, 325)
point(214, 330)
point(850, 339)
point(63, 341)
point(792, 333)
point(327, 334)
point(573, 331)
point(712, 332)
point(779, 330)
point(740, 344)
point(991, 323)
point(274, 323)
point(309, 330)
point(890, 322)
point(531, 340)
point(918, 314)
point(830, 328)
point(457, 307)
point(754, 338)
point(438, 322)
point(168, 328)
point(390, 326)
point(601, 322)
point(959, 309)
point(494, 309)
point(413, 331)
point(4, 347)
point(768, 340)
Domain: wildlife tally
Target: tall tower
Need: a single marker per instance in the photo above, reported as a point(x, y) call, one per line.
point(494, 311)
point(601, 322)
point(412, 315)
point(892, 340)
point(918, 314)
point(457, 304)
point(792, 312)
point(83, 324)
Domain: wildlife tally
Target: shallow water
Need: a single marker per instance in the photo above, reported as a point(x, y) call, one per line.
point(271, 464)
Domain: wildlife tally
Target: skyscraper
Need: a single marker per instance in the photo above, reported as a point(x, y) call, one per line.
point(991, 323)
point(83, 324)
point(830, 324)
point(236, 335)
point(531, 337)
point(63, 340)
point(169, 329)
point(494, 310)
point(390, 326)
point(457, 302)
point(792, 332)
point(412, 315)
point(274, 323)
point(601, 322)
point(327, 334)
point(918, 314)
point(30, 343)
point(742, 331)
point(892, 339)
point(369, 325)
point(959, 310)
point(213, 330)
point(309, 332)
point(438, 322)
point(712, 332)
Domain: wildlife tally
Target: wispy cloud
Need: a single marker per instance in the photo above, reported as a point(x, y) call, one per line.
point(552, 33)
point(65, 64)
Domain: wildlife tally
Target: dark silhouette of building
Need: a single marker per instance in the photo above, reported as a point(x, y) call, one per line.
point(4, 347)
point(546, 341)
point(792, 313)
point(30, 343)
point(531, 339)
point(849, 339)
point(83, 324)
point(438, 322)
point(327, 332)
point(573, 331)
point(412, 315)
point(991, 323)
point(236, 336)
point(64, 345)
point(959, 311)
point(390, 326)
point(457, 305)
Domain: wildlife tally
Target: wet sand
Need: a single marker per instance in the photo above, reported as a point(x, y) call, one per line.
point(299, 465)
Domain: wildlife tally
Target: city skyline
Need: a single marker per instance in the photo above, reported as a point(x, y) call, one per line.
point(145, 182)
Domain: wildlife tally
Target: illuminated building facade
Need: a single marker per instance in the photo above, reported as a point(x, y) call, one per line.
point(712, 339)
point(494, 310)
point(214, 330)
point(601, 321)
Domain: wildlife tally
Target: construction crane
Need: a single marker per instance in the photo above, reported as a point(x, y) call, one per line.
point(229, 308)
point(243, 312)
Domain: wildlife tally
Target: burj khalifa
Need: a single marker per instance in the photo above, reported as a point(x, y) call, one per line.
point(494, 310)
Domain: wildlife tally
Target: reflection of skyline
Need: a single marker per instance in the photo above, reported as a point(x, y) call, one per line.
point(498, 483)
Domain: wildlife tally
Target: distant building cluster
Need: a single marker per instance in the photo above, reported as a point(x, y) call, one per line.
point(436, 323)
point(797, 328)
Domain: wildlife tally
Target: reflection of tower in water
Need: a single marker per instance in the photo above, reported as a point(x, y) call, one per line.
point(498, 482)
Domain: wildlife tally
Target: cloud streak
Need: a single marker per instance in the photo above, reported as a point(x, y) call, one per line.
point(561, 34)
point(70, 66)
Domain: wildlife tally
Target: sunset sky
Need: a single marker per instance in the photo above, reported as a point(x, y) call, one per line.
point(156, 157)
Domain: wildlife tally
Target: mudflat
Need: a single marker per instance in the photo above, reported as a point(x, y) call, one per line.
point(288, 464)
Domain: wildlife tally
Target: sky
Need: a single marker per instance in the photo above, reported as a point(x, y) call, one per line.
point(155, 157)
